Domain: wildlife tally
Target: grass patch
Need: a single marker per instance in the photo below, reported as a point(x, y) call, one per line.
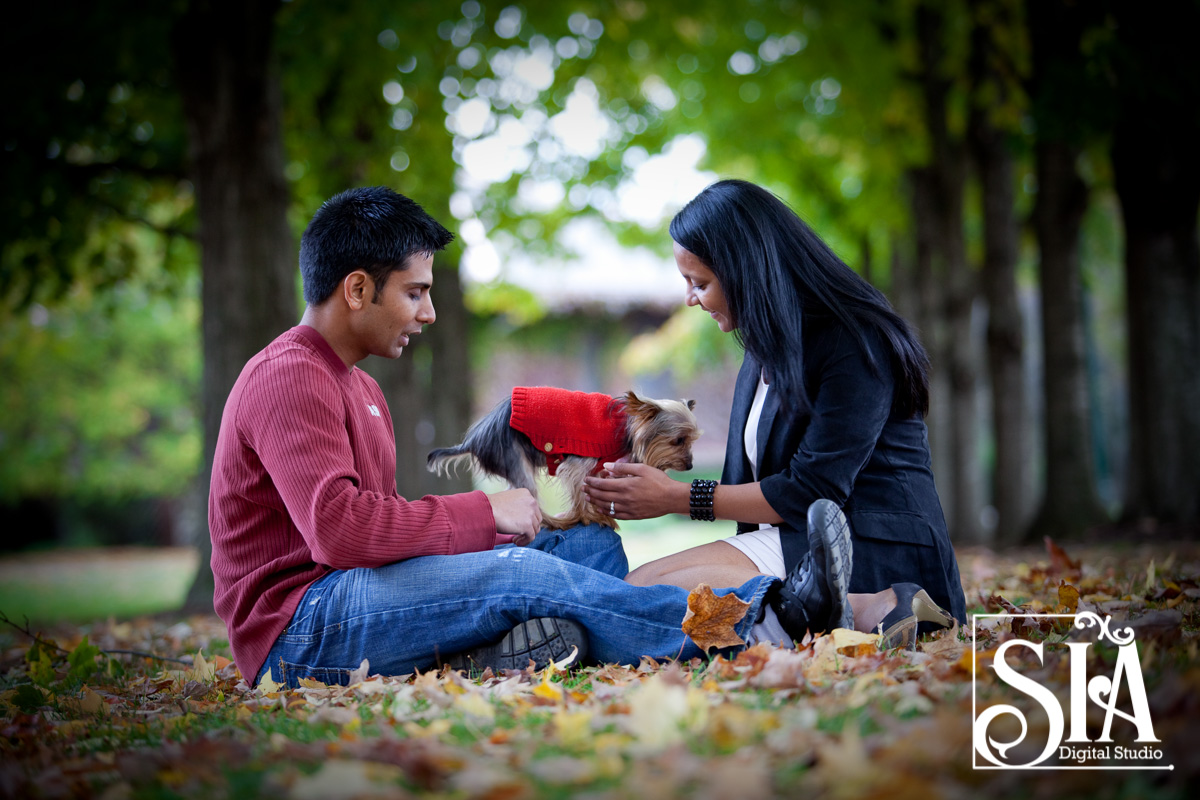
point(95, 583)
point(648, 539)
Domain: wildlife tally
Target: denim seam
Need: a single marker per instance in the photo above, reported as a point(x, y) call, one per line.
point(526, 598)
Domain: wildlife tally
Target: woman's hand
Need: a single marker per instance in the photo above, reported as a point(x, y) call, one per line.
point(636, 491)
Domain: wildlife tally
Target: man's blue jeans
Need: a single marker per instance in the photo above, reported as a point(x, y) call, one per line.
point(411, 614)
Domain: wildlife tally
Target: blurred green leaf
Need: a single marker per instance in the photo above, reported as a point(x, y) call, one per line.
point(82, 661)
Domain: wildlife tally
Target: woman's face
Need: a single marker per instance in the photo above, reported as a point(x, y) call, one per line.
point(702, 288)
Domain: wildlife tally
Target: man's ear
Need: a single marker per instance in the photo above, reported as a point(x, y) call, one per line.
point(358, 288)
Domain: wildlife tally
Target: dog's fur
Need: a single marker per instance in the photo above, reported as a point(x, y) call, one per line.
point(658, 432)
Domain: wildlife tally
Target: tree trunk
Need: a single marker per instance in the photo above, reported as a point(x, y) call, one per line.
point(452, 392)
point(1062, 95)
point(1012, 473)
point(247, 252)
point(1156, 167)
point(927, 300)
point(1071, 504)
point(947, 179)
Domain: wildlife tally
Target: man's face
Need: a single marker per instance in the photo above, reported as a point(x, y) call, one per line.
point(399, 309)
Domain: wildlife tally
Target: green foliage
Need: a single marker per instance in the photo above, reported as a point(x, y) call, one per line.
point(101, 395)
point(518, 306)
point(341, 129)
point(98, 318)
point(686, 345)
point(27, 698)
point(82, 661)
point(821, 101)
point(92, 140)
point(85, 660)
point(40, 661)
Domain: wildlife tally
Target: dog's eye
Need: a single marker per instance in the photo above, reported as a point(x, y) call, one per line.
point(679, 442)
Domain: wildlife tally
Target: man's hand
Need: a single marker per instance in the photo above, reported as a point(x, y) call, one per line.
point(516, 512)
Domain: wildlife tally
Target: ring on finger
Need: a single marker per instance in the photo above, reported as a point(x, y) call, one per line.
point(612, 507)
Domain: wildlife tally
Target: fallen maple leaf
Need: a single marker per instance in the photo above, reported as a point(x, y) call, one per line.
point(1059, 560)
point(830, 650)
point(548, 690)
point(710, 619)
point(945, 644)
point(268, 686)
point(1068, 598)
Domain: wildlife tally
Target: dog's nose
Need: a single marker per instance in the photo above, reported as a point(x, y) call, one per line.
point(689, 465)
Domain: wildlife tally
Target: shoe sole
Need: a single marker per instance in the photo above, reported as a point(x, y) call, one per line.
point(839, 559)
point(541, 640)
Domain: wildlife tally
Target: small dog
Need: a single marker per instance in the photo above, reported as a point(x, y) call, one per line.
point(572, 435)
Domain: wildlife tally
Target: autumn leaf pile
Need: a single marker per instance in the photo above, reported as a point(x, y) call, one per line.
point(85, 712)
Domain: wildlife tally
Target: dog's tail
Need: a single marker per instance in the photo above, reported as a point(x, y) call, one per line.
point(446, 461)
point(491, 447)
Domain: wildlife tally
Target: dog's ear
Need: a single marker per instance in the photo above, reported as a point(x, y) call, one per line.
point(639, 408)
point(691, 404)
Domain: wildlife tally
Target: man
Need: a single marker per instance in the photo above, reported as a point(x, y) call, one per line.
point(319, 563)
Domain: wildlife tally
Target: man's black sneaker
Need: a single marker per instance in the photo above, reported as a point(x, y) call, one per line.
point(815, 595)
point(541, 640)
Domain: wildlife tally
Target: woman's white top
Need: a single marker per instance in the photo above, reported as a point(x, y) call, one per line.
point(761, 546)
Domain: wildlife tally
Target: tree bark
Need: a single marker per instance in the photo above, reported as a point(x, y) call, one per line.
point(232, 104)
point(1062, 94)
point(1071, 504)
point(451, 387)
point(1012, 473)
point(1156, 167)
point(944, 205)
point(927, 300)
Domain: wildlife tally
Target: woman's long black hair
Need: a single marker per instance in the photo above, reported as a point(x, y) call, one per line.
point(773, 270)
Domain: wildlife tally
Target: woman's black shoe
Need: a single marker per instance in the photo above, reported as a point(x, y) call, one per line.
point(913, 606)
point(815, 595)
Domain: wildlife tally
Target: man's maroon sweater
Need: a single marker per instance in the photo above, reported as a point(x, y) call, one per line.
point(304, 482)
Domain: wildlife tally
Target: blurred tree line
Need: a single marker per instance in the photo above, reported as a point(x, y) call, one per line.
point(159, 162)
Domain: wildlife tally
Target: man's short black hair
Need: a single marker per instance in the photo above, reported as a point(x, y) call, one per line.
point(371, 228)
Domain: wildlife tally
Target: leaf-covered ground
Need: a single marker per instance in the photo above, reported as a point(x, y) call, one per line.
point(85, 713)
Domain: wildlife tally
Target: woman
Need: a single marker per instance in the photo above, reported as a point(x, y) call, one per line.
point(829, 405)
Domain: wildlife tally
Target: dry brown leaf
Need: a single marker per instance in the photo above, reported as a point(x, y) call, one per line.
point(751, 661)
point(945, 645)
point(996, 604)
point(710, 619)
point(831, 650)
point(1068, 598)
point(1164, 623)
point(783, 670)
point(1060, 562)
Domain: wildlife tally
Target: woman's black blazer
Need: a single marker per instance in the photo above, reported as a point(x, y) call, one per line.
point(848, 447)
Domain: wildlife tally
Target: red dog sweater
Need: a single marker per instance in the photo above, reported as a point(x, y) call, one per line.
point(564, 423)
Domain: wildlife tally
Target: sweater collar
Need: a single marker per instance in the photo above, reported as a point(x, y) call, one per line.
point(324, 349)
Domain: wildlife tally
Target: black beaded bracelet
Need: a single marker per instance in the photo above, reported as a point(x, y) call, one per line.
point(701, 501)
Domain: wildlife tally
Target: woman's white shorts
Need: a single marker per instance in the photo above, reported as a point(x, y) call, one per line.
point(763, 548)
